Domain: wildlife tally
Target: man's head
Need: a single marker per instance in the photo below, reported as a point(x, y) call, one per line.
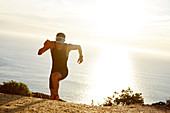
point(60, 38)
point(60, 35)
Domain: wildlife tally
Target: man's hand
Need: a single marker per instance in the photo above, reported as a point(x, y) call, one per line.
point(40, 51)
point(80, 60)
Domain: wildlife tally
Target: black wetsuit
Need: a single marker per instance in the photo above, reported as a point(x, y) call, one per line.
point(59, 62)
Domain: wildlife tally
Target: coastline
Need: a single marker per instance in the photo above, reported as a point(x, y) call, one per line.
point(21, 104)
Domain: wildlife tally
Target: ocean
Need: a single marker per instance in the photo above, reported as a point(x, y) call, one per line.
point(105, 69)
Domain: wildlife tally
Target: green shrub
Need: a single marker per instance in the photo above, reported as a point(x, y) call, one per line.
point(13, 87)
point(125, 98)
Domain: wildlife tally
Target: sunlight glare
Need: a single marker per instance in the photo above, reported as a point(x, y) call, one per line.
point(112, 72)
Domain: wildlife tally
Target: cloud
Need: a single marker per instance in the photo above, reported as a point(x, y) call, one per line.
point(145, 21)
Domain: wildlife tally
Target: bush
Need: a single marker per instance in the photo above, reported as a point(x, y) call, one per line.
point(125, 98)
point(13, 87)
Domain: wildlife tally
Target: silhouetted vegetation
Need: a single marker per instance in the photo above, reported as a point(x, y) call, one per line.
point(125, 98)
point(13, 87)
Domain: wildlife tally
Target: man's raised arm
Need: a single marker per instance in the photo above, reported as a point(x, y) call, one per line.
point(77, 47)
point(47, 45)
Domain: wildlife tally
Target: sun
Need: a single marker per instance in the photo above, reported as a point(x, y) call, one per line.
point(118, 18)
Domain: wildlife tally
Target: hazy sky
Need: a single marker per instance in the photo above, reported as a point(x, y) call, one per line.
point(137, 23)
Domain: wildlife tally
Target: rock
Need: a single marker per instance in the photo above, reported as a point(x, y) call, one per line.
point(8, 105)
point(42, 95)
point(168, 104)
point(159, 103)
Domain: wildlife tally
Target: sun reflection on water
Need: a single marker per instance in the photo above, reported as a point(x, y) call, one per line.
point(112, 72)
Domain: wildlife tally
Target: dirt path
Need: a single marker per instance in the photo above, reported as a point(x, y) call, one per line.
point(21, 104)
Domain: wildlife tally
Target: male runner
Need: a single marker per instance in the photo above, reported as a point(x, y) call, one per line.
point(59, 53)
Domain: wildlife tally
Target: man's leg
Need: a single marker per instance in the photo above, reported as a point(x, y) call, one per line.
point(55, 81)
point(52, 93)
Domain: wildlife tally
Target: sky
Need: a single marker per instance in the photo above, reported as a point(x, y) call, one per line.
point(134, 23)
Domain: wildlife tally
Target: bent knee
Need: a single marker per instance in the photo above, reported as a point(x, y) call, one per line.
point(56, 75)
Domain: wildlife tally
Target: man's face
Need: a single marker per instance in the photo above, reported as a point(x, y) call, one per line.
point(60, 39)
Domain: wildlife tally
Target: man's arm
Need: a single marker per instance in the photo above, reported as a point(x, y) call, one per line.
point(77, 47)
point(47, 45)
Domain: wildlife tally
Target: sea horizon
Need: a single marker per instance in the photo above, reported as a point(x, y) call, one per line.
point(103, 71)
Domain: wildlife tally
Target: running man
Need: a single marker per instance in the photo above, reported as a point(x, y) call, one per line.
point(59, 53)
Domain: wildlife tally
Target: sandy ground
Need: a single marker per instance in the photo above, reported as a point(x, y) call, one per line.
point(22, 104)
